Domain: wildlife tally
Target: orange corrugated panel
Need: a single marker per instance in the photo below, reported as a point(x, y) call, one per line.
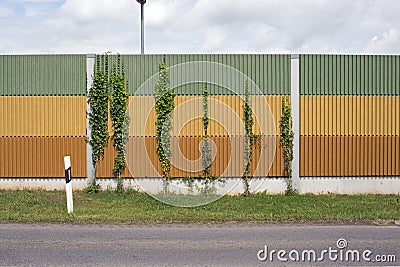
point(106, 165)
point(313, 156)
point(302, 155)
point(278, 166)
point(307, 153)
point(325, 154)
point(342, 155)
point(397, 157)
point(358, 158)
point(225, 160)
point(142, 159)
point(351, 163)
point(348, 164)
point(228, 162)
point(383, 157)
point(371, 153)
point(3, 162)
point(362, 156)
point(331, 145)
point(388, 155)
point(188, 162)
point(318, 156)
point(350, 156)
point(41, 156)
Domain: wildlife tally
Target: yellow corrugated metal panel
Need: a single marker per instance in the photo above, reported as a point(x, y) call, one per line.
point(188, 114)
point(349, 156)
point(142, 116)
point(43, 116)
point(41, 156)
point(228, 111)
point(186, 158)
point(225, 113)
point(350, 115)
point(276, 109)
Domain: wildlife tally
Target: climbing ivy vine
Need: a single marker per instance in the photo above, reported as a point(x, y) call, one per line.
point(206, 148)
point(251, 140)
point(287, 136)
point(119, 116)
point(164, 102)
point(98, 115)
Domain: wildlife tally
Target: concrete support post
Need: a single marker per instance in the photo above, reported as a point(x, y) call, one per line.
point(90, 62)
point(295, 107)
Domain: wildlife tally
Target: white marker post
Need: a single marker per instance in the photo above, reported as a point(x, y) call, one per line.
point(68, 185)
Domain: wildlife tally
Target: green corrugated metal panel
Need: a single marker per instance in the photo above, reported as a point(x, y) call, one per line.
point(350, 75)
point(37, 75)
point(271, 73)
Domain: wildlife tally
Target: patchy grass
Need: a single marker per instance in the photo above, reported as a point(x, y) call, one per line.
point(135, 207)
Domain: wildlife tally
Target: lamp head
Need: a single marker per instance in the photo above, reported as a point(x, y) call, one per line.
point(142, 2)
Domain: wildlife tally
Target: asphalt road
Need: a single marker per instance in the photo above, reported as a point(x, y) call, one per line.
point(194, 245)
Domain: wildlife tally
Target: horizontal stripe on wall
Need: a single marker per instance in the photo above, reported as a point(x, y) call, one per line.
point(350, 115)
point(225, 113)
point(271, 73)
point(41, 156)
point(39, 75)
point(349, 156)
point(43, 116)
point(229, 160)
point(350, 75)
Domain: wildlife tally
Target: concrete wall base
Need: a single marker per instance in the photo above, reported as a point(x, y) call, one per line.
point(232, 186)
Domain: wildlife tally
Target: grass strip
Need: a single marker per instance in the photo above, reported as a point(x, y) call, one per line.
point(134, 207)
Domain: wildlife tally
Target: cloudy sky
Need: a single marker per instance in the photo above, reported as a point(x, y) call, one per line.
point(200, 26)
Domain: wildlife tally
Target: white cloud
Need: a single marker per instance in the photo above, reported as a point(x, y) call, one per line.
point(161, 13)
point(202, 26)
point(5, 12)
point(388, 43)
point(91, 11)
point(33, 1)
point(35, 12)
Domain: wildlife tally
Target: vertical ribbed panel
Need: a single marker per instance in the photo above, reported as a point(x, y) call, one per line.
point(350, 156)
point(271, 73)
point(226, 129)
point(37, 75)
point(350, 75)
point(350, 115)
point(43, 116)
point(143, 160)
point(41, 156)
point(225, 112)
point(350, 135)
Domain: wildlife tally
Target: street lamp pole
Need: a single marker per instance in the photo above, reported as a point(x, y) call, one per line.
point(141, 2)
